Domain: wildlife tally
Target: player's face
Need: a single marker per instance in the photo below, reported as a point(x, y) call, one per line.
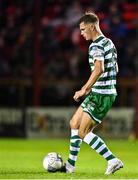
point(86, 31)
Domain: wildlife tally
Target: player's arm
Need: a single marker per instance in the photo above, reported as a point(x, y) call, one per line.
point(96, 73)
point(98, 70)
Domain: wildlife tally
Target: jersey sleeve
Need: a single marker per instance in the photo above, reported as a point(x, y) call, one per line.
point(97, 53)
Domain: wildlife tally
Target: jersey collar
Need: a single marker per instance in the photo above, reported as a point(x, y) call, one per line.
point(99, 38)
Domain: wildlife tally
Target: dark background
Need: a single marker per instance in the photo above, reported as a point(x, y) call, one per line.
point(43, 59)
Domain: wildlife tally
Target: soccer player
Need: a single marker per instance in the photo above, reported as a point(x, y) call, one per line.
point(99, 92)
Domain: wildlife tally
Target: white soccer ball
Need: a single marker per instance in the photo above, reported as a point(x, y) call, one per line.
point(52, 162)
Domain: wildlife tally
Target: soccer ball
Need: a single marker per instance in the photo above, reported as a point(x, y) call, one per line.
point(52, 162)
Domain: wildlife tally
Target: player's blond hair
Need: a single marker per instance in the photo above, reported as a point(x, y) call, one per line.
point(89, 17)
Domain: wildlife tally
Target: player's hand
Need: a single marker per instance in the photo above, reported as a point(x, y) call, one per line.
point(79, 94)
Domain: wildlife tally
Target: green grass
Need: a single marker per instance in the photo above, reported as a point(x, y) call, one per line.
point(22, 159)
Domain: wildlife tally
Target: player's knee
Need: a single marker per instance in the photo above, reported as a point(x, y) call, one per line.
point(73, 124)
point(82, 134)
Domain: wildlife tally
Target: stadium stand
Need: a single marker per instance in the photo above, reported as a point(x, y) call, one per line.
point(63, 52)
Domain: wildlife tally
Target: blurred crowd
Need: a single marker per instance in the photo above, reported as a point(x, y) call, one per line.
point(61, 49)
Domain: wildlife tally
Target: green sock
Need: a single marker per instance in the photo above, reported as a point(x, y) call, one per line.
point(75, 143)
point(98, 145)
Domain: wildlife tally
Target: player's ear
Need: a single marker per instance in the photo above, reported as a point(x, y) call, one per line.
point(92, 27)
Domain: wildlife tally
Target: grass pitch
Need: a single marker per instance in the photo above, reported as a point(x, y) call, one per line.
point(22, 159)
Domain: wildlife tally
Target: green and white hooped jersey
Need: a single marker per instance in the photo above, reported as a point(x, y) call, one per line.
point(103, 49)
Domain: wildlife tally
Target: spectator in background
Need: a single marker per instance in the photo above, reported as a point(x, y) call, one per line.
point(58, 33)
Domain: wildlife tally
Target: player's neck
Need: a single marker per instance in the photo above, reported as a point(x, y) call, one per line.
point(96, 35)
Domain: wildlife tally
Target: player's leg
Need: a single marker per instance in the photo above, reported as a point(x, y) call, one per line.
point(92, 139)
point(98, 109)
point(96, 143)
point(75, 140)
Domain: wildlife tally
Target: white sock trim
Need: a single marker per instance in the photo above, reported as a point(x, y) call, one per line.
point(108, 153)
point(72, 157)
point(88, 138)
point(95, 144)
point(74, 132)
point(101, 148)
point(74, 148)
